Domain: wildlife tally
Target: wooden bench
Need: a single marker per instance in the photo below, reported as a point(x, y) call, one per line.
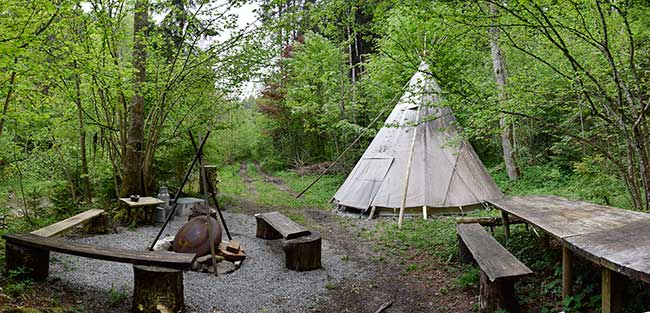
point(158, 276)
point(499, 268)
point(97, 219)
point(302, 248)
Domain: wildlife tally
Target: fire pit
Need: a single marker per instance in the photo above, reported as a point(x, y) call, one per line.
point(194, 237)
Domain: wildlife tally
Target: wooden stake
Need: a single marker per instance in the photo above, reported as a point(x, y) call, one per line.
point(372, 212)
point(506, 224)
point(567, 273)
point(408, 169)
point(424, 212)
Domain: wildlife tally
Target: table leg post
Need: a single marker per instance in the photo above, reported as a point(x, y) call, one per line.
point(547, 240)
point(506, 224)
point(567, 273)
point(612, 291)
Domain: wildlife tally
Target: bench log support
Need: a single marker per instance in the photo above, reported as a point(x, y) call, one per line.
point(464, 255)
point(303, 253)
point(612, 291)
point(156, 289)
point(31, 262)
point(265, 230)
point(497, 295)
point(506, 225)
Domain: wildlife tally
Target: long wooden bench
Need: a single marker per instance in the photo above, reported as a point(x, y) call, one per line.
point(302, 248)
point(499, 268)
point(158, 276)
point(97, 216)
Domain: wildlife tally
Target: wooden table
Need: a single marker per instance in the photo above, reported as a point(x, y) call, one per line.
point(144, 202)
point(617, 240)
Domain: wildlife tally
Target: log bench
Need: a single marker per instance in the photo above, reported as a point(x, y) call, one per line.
point(302, 248)
point(97, 220)
point(499, 268)
point(158, 276)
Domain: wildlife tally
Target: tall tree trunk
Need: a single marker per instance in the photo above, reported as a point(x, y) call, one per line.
point(5, 107)
point(501, 77)
point(85, 179)
point(132, 161)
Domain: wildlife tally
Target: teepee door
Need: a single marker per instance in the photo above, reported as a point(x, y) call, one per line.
point(362, 185)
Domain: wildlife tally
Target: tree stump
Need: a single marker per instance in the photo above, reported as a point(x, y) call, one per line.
point(27, 262)
point(265, 231)
point(303, 253)
point(499, 294)
point(157, 289)
point(464, 255)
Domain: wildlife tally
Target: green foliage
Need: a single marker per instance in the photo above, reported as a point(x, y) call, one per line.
point(470, 278)
point(116, 296)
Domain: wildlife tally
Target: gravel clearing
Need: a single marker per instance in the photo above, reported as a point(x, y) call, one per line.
point(262, 284)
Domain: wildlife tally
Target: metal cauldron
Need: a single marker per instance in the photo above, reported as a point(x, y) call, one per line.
point(193, 236)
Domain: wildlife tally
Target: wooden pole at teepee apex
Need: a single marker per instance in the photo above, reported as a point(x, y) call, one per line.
point(408, 169)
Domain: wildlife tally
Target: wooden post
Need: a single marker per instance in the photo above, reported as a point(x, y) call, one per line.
point(497, 295)
point(506, 224)
point(612, 291)
point(157, 289)
point(424, 212)
point(567, 273)
point(34, 262)
point(408, 169)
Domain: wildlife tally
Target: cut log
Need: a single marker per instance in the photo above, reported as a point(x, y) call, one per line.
point(497, 295)
point(240, 255)
point(233, 246)
point(464, 255)
point(26, 262)
point(304, 253)
point(265, 230)
point(157, 289)
point(99, 225)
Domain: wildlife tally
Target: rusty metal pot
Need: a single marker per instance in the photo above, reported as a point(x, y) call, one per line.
point(193, 236)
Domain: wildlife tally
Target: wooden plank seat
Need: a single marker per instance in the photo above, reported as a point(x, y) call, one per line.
point(158, 275)
point(70, 223)
point(274, 225)
point(499, 268)
point(302, 248)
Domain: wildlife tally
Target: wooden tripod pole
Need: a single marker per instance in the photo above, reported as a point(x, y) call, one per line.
point(204, 183)
point(408, 169)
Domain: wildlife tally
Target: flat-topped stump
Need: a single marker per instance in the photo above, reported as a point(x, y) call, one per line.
point(303, 253)
point(157, 289)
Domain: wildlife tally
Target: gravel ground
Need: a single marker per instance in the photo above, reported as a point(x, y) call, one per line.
point(262, 284)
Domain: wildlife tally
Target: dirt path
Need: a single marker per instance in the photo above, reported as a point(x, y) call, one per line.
point(430, 290)
point(277, 182)
point(243, 172)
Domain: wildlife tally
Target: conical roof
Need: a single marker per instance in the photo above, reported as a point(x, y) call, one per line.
point(445, 171)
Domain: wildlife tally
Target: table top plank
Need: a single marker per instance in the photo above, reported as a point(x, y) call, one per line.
point(614, 238)
point(495, 261)
point(563, 218)
point(144, 201)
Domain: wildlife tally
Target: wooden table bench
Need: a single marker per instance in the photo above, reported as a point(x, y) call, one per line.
point(302, 248)
point(96, 217)
point(499, 268)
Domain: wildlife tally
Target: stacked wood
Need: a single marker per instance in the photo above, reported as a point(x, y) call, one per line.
point(202, 209)
point(229, 254)
point(157, 289)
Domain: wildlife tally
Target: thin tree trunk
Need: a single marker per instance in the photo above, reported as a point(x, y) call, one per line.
point(132, 161)
point(85, 179)
point(5, 107)
point(501, 77)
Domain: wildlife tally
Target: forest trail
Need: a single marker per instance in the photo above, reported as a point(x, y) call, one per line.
point(384, 276)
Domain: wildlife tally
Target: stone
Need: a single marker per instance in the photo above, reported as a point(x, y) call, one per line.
point(225, 268)
point(164, 244)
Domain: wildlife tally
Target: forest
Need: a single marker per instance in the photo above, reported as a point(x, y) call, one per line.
point(97, 98)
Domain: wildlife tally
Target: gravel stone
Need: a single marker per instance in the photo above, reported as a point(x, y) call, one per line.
point(261, 284)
